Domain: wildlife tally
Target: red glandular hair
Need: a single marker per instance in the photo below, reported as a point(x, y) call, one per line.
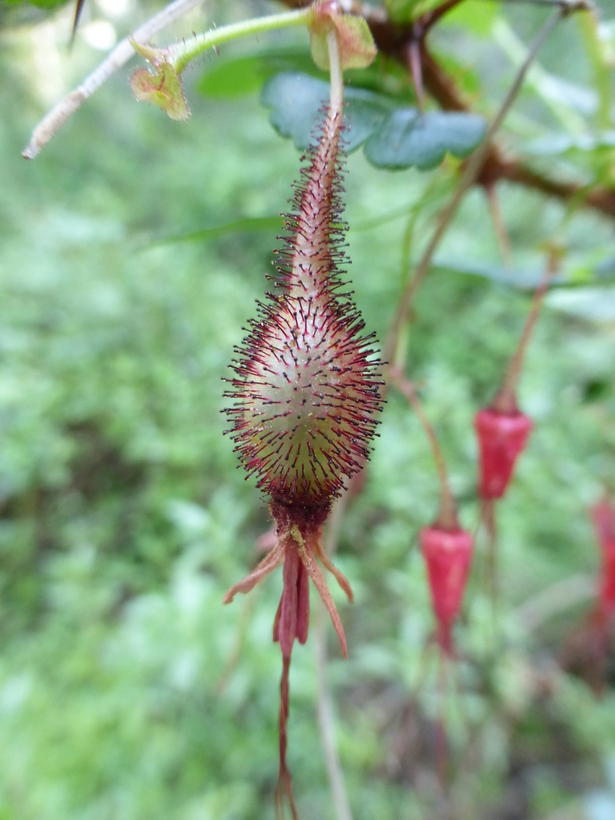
point(306, 386)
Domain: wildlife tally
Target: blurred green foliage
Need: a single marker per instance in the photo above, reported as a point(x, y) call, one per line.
point(126, 689)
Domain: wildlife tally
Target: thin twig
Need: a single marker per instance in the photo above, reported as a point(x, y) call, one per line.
point(506, 401)
point(499, 226)
point(51, 123)
point(447, 516)
point(470, 173)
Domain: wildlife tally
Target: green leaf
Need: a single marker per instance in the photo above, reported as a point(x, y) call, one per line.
point(238, 76)
point(41, 4)
point(473, 15)
point(395, 137)
point(297, 101)
point(403, 11)
point(232, 78)
point(406, 138)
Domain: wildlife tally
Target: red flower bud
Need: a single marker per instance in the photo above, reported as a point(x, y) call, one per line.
point(448, 554)
point(502, 438)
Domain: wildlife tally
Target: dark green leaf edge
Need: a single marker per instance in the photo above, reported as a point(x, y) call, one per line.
point(244, 225)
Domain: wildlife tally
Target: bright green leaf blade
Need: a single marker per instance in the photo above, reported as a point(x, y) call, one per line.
point(297, 101)
point(239, 76)
point(232, 78)
point(473, 15)
point(41, 4)
point(245, 225)
point(405, 138)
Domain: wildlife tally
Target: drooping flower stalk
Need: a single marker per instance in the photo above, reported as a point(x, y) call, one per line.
point(306, 397)
point(503, 430)
point(446, 547)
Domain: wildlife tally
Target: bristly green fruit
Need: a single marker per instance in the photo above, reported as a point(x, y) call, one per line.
point(306, 383)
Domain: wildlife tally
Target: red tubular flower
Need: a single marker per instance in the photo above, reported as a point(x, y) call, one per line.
point(502, 438)
point(448, 555)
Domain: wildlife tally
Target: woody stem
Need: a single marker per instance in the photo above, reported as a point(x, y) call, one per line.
point(447, 517)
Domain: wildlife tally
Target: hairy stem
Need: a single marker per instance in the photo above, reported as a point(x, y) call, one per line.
point(181, 54)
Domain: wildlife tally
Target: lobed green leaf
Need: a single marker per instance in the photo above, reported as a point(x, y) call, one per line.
point(394, 137)
point(408, 138)
point(297, 102)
